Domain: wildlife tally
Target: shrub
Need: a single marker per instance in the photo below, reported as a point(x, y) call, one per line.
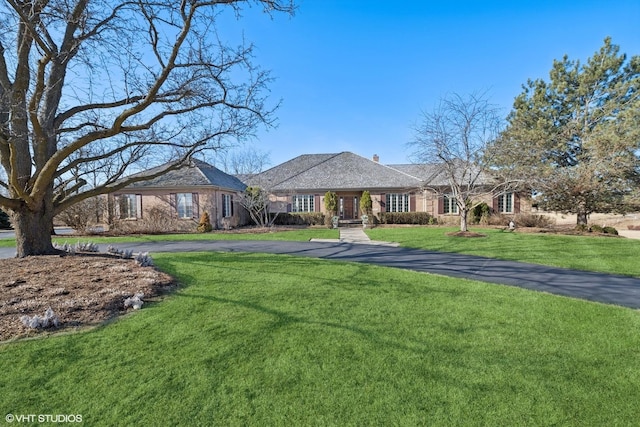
point(304, 218)
point(331, 202)
point(37, 322)
point(414, 218)
point(531, 220)
point(144, 260)
point(582, 228)
point(134, 301)
point(596, 229)
point(331, 206)
point(125, 254)
point(365, 203)
point(78, 247)
point(610, 230)
point(156, 220)
point(205, 223)
point(480, 214)
point(79, 215)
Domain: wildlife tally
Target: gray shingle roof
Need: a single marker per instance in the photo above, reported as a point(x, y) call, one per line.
point(427, 173)
point(435, 175)
point(337, 171)
point(197, 174)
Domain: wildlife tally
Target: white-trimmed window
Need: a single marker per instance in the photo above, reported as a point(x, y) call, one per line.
point(130, 205)
point(505, 203)
point(397, 202)
point(227, 205)
point(450, 205)
point(303, 203)
point(184, 205)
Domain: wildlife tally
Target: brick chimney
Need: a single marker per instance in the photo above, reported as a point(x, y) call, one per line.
point(376, 158)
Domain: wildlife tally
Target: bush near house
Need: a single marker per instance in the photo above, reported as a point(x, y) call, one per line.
point(480, 214)
point(413, 218)
point(304, 218)
point(157, 220)
point(82, 214)
point(205, 223)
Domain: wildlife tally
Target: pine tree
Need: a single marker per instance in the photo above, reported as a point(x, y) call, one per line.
point(575, 139)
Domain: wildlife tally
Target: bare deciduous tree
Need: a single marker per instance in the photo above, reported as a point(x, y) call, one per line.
point(101, 86)
point(244, 162)
point(262, 205)
point(454, 136)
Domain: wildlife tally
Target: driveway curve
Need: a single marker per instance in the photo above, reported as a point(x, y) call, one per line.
point(599, 287)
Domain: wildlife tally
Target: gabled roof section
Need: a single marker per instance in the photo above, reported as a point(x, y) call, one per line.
point(337, 171)
point(196, 174)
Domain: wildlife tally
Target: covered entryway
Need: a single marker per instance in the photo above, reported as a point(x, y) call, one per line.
point(349, 207)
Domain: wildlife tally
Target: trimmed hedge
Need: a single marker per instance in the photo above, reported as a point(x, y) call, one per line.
point(303, 218)
point(414, 218)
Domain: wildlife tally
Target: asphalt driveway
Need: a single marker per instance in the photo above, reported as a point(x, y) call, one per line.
point(599, 287)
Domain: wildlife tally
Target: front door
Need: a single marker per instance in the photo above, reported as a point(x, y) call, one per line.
point(348, 207)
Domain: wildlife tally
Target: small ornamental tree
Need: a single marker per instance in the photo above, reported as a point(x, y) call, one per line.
point(365, 203)
point(331, 206)
point(331, 203)
point(256, 201)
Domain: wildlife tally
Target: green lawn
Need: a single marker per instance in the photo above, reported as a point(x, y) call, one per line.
point(603, 254)
point(301, 235)
point(256, 339)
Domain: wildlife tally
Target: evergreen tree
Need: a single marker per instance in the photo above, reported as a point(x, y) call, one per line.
point(575, 139)
point(366, 204)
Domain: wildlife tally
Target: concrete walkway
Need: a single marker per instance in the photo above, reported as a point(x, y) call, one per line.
point(355, 235)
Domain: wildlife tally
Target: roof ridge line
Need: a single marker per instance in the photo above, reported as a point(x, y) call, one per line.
point(399, 171)
point(195, 165)
point(331, 156)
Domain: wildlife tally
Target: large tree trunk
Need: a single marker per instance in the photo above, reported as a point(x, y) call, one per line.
point(463, 220)
point(33, 232)
point(581, 218)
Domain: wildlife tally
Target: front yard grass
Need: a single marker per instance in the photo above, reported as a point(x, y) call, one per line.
point(301, 235)
point(256, 339)
point(590, 253)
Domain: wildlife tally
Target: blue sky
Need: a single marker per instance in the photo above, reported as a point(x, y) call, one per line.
point(354, 75)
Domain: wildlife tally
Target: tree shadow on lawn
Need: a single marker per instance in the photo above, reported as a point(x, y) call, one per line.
point(283, 319)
